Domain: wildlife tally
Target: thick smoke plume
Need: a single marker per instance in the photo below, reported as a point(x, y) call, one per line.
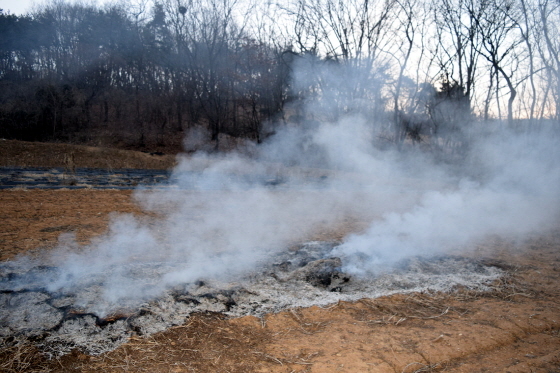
point(226, 214)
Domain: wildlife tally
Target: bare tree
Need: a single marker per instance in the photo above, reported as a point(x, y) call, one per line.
point(549, 12)
point(526, 26)
point(497, 28)
point(346, 39)
point(406, 23)
point(458, 40)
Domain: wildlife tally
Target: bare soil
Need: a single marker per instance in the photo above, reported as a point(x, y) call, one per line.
point(514, 328)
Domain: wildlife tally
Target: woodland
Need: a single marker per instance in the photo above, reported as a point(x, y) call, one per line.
point(142, 74)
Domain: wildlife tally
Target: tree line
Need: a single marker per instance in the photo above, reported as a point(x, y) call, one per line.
point(141, 73)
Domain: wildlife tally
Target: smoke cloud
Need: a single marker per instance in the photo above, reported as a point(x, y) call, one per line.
point(224, 215)
point(508, 187)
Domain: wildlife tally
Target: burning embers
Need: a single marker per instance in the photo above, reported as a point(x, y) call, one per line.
point(61, 319)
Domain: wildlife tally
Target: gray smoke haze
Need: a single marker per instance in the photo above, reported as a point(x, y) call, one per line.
point(510, 189)
point(226, 214)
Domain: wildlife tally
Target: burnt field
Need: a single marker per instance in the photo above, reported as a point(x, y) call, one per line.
point(70, 302)
point(312, 186)
point(511, 325)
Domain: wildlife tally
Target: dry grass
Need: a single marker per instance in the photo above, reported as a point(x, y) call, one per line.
point(34, 154)
point(212, 343)
point(415, 306)
point(20, 355)
point(403, 333)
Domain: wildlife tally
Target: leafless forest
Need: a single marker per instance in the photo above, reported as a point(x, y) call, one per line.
point(142, 74)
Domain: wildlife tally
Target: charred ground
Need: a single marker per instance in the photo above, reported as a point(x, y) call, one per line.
point(514, 327)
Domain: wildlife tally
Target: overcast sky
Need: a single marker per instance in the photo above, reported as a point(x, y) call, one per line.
point(19, 7)
point(15, 6)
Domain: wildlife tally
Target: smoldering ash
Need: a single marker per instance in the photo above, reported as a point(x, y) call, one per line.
point(227, 214)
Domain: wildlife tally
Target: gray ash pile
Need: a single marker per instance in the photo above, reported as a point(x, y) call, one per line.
point(77, 318)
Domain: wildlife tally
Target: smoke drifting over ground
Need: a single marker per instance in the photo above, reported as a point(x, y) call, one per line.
point(227, 215)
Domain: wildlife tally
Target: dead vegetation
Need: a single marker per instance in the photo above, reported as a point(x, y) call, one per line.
point(420, 332)
point(513, 327)
point(68, 156)
point(20, 356)
point(413, 307)
point(207, 343)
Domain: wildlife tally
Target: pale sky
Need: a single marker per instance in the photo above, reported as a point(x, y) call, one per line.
point(19, 7)
point(15, 6)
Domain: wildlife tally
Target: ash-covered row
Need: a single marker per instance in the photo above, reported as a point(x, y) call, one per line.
point(60, 321)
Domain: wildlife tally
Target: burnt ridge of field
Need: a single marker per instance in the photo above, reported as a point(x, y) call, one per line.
point(54, 178)
point(128, 178)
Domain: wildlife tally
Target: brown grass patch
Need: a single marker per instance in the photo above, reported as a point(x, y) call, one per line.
point(35, 154)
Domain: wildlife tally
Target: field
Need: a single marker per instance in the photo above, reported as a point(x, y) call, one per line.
point(515, 327)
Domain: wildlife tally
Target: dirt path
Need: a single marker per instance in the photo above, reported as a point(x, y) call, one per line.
point(515, 328)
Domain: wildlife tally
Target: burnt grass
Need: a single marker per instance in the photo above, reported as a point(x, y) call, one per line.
point(57, 321)
point(417, 330)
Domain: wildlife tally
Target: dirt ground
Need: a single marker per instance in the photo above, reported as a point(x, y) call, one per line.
point(514, 328)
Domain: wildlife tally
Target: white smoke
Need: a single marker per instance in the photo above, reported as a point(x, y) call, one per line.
point(228, 213)
point(516, 193)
